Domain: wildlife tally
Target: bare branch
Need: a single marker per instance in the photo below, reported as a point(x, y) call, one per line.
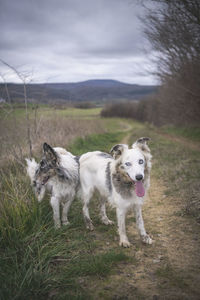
point(25, 78)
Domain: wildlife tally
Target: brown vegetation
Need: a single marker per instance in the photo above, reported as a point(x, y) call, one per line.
point(173, 29)
point(145, 111)
point(55, 129)
point(84, 105)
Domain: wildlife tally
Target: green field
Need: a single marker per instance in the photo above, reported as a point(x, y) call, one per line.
point(39, 262)
point(48, 111)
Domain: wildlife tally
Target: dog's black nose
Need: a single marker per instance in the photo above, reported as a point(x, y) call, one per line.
point(139, 177)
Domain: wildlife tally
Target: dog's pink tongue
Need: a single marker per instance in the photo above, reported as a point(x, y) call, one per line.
point(139, 189)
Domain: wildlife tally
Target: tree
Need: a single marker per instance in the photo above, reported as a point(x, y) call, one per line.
point(173, 29)
point(24, 78)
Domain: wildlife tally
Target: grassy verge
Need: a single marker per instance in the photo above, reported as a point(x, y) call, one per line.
point(101, 142)
point(191, 133)
point(39, 262)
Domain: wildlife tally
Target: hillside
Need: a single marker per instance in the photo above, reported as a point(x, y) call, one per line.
point(100, 91)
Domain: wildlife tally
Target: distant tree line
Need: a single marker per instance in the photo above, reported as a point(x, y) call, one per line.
point(145, 110)
point(173, 29)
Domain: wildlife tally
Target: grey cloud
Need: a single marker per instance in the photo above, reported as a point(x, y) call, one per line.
point(53, 36)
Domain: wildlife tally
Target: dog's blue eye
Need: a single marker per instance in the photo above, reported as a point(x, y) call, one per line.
point(141, 161)
point(128, 164)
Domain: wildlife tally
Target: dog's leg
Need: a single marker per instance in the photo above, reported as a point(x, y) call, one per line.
point(41, 194)
point(86, 199)
point(103, 215)
point(121, 215)
point(66, 207)
point(140, 225)
point(55, 203)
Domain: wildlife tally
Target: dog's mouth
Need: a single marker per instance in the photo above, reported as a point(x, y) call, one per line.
point(138, 187)
point(45, 180)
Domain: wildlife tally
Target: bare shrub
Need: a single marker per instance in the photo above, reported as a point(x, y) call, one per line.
point(173, 29)
point(122, 110)
point(147, 110)
point(25, 78)
point(84, 105)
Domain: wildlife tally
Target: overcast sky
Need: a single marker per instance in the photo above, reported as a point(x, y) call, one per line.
point(74, 40)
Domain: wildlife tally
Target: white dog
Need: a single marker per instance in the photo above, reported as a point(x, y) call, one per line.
point(123, 179)
point(57, 172)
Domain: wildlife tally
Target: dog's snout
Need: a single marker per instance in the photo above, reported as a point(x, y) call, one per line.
point(139, 177)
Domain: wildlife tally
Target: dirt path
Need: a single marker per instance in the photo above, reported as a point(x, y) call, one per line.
point(126, 127)
point(168, 269)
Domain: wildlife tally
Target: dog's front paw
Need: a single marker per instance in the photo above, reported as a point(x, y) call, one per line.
point(110, 222)
point(57, 225)
point(90, 226)
point(65, 223)
point(146, 239)
point(106, 221)
point(124, 243)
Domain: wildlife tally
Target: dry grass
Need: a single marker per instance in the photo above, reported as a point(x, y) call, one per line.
point(54, 128)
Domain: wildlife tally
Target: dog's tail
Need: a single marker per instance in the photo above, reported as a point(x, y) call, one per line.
point(31, 168)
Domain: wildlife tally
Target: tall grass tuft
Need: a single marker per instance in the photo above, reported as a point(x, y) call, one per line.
point(37, 261)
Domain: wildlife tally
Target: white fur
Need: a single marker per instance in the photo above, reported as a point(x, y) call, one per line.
point(93, 176)
point(62, 192)
point(32, 166)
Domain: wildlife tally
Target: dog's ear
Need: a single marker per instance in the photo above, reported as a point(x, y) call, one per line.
point(143, 140)
point(62, 174)
point(117, 150)
point(142, 144)
point(49, 153)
